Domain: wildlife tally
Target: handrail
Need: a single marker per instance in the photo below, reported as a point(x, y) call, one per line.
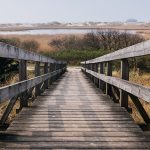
point(8, 51)
point(137, 50)
point(7, 92)
point(132, 88)
point(119, 89)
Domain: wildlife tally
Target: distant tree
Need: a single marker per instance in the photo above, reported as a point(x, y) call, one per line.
point(91, 41)
point(57, 43)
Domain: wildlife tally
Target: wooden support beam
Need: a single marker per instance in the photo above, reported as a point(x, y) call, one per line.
point(45, 72)
point(54, 69)
point(51, 70)
point(37, 73)
point(23, 76)
point(115, 94)
point(93, 67)
point(96, 79)
point(101, 82)
point(124, 76)
point(140, 108)
point(8, 110)
point(109, 73)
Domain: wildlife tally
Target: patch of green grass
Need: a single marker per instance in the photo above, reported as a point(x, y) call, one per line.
point(74, 57)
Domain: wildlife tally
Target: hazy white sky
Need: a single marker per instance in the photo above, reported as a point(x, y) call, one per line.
point(33, 11)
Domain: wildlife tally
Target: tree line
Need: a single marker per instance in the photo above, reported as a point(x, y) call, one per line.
point(98, 40)
point(74, 49)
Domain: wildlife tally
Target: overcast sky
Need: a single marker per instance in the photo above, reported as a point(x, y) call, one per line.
point(34, 11)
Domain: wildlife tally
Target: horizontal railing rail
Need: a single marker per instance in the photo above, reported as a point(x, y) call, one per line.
point(99, 70)
point(132, 88)
point(137, 50)
point(12, 90)
point(12, 52)
point(23, 90)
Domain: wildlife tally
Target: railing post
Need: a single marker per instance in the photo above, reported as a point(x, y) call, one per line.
point(109, 73)
point(96, 79)
point(37, 73)
point(94, 69)
point(45, 72)
point(50, 70)
point(101, 83)
point(85, 67)
point(91, 69)
point(23, 76)
point(53, 69)
point(59, 66)
point(124, 76)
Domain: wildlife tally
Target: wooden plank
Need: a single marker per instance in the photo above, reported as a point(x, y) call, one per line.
point(77, 134)
point(132, 88)
point(77, 129)
point(77, 145)
point(12, 138)
point(137, 50)
point(69, 125)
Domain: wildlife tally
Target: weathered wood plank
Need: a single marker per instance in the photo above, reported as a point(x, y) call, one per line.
point(76, 134)
point(12, 138)
point(77, 145)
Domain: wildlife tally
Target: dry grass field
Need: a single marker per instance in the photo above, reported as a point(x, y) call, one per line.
point(43, 40)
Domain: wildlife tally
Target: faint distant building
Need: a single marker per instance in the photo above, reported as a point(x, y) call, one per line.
point(132, 21)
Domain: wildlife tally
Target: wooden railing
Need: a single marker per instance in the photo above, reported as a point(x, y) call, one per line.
point(119, 89)
point(23, 89)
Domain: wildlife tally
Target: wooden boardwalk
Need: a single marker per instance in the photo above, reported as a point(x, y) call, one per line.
point(74, 114)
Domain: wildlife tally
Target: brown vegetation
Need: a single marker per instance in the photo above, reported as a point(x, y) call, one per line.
point(43, 40)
